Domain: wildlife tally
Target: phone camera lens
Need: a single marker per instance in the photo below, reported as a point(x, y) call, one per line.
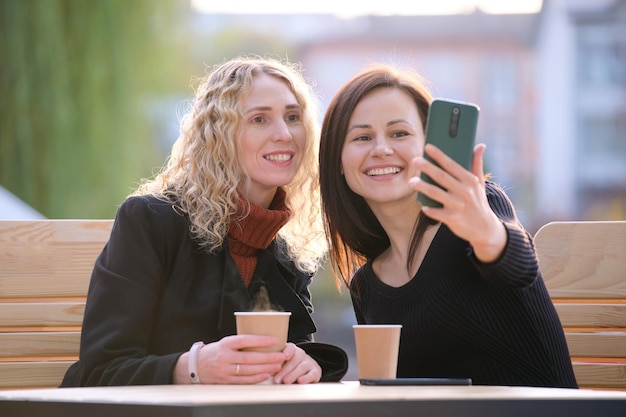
point(454, 121)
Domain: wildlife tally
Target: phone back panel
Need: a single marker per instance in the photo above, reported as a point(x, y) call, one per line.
point(451, 126)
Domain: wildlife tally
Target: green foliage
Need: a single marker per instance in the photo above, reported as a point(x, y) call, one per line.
point(76, 80)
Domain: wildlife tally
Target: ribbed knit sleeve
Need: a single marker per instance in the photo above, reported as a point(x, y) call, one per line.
point(518, 266)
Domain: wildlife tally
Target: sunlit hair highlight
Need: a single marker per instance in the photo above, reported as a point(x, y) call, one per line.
point(203, 174)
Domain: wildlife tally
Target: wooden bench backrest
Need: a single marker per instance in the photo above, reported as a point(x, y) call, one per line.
point(45, 268)
point(584, 267)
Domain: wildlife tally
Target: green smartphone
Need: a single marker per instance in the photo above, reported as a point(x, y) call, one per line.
point(450, 126)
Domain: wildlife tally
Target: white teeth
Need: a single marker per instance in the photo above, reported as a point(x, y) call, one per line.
point(383, 171)
point(278, 157)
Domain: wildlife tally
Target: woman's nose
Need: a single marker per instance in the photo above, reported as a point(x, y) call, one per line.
point(282, 132)
point(381, 147)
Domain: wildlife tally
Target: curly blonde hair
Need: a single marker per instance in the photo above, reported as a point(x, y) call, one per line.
point(203, 174)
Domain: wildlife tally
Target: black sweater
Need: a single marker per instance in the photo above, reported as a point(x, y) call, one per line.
point(492, 322)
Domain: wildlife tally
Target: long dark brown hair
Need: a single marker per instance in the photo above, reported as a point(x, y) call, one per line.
point(354, 234)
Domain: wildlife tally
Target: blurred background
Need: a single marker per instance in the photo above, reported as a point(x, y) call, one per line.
point(91, 93)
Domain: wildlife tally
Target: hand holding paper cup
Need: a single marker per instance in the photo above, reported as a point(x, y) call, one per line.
point(269, 323)
point(377, 349)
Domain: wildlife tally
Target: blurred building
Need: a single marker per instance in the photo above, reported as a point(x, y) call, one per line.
point(551, 87)
point(481, 58)
point(581, 90)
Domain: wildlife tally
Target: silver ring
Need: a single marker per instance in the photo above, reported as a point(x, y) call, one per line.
point(237, 369)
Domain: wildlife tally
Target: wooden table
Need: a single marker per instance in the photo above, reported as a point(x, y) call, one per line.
point(345, 399)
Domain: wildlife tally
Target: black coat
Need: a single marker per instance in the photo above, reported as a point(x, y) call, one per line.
point(154, 292)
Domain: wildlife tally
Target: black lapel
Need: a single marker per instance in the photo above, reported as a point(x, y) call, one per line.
point(235, 296)
point(277, 278)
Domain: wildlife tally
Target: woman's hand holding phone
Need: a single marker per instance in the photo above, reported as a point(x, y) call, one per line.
point(459, 190)
point(466, 211)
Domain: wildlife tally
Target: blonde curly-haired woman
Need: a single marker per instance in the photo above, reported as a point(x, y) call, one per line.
point(235, 210)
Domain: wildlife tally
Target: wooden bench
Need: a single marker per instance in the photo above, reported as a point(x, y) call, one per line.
point(584, 267)
point(45, 268)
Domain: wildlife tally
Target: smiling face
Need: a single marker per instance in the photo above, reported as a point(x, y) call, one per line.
point(271, 137)
point(384, 134)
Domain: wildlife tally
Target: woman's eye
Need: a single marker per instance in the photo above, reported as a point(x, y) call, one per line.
point(257, 119)
point(293, 117)
point(400, 134)
point(362, 138)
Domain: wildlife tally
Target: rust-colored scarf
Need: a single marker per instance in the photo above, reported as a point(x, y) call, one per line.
point(256, 231)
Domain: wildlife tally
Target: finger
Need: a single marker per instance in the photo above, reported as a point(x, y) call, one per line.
point(477, 160)
point(446, 163)
point(246, 370)
point(302, 369)
point(296, 357)
point(250, 379)
point(307, 371)
point(444, 172)
point(258, 358)
point(431, 191)
point(311, 377)
point(290, 350)
point(245, 341)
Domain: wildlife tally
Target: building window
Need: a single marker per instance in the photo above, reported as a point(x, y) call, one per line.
point(500, 82)
point(603, 149)
point(602, 55)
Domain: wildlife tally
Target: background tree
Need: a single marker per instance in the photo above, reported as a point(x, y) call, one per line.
point(78, 80)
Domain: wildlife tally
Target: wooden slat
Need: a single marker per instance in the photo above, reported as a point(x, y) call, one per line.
point(41, 314)
point(583, 259)
point(584, 267)
point(592, 315)
point(49, 258)
point(39, 344)
point(51, 272)
point(608, 345)
point(50, 374)
point(593, 375)
point(55, 231)
point(45, 269)
point(32, 374)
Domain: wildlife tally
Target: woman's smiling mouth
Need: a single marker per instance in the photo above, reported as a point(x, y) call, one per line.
point(282, 157)
point(383, 171)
